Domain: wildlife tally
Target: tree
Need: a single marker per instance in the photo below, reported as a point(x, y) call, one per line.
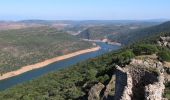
point(164, 55)
point(147, 49)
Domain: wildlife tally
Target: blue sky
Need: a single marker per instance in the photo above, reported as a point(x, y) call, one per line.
point(84, 9)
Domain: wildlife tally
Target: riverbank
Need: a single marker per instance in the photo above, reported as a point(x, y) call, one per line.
point(45, 63)
point(104, 41)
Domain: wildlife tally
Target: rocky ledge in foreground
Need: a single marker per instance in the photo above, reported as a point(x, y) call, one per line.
point(140, 80)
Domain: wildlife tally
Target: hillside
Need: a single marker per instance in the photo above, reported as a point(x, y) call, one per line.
point(99, 32)
point(27, 46)
point(135, 35)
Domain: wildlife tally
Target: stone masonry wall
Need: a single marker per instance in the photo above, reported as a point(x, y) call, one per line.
point(142, 80)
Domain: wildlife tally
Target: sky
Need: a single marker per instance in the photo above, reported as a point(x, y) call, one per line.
point(84, 9)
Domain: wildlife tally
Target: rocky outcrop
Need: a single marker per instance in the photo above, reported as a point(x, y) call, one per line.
point(94, 93)
point(164, 41)
point(140, 80)
point(102, 92)
point(109, 88)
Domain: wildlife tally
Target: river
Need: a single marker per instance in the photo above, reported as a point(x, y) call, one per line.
point(7, 83)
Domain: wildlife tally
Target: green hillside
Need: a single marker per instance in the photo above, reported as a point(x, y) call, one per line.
point(135, 35)
point(102, 31)
point(31, 45)
point(105, 31)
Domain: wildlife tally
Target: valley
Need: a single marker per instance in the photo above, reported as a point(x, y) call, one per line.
point(49, 56)
point(84, 50)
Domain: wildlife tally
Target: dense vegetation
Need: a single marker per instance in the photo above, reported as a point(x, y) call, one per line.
point(30, 45)
point(144, 49)
point(164, 54)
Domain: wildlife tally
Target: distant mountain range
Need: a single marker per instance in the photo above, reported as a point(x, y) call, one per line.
point(124, 31)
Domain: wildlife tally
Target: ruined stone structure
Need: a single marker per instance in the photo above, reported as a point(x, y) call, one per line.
point(140, 80)
point(123, 88)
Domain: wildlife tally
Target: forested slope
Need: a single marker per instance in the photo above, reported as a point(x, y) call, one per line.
point(110, 30)
point(135, 35)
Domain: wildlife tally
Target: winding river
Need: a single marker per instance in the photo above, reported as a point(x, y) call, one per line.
point(7, 83)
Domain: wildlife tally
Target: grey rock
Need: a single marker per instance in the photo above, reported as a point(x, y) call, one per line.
point(164, 41)
point(138, 81)
point(109, 87)
point(94, 93)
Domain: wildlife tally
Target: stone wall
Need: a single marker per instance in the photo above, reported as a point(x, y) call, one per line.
point(123, 88)
point(141, 80)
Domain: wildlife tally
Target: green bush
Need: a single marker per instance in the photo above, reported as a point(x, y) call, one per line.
point(164, 55)
point(146, 49)
point(103, 79)
point(91, 74)
point(123, 57)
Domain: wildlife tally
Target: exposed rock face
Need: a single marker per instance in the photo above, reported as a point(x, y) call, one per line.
point(102, 92)
point(140, 80)
point(94, 93)
point(164, 41)
point(109, 88)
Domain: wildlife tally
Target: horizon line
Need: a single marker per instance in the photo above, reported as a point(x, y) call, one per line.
point(157, 19)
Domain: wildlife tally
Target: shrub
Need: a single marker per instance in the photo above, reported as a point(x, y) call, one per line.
point(123, 57)
point(103, 79)
point(146, 49)
point(164, 55)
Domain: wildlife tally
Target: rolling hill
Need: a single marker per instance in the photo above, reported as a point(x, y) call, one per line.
point(135, 35)
point(99, 32)
point(21, 47)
